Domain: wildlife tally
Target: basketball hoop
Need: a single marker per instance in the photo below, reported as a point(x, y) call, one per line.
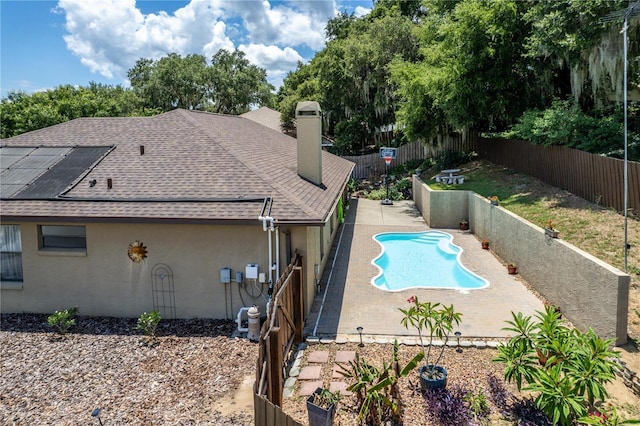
point(387, 161)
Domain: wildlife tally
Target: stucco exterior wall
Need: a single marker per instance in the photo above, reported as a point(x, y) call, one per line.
point(589, 292)
point(441, 209)
point(104, 281)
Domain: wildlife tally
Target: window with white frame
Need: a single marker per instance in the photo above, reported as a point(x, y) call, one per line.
point(10, 253)
point(63, 237)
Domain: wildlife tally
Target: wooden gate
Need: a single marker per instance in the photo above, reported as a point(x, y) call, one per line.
point(282, 329)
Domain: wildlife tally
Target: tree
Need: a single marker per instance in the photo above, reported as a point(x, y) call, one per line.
point(230, 85)
point(22, 112)
point(471, 74)
point(234, 84)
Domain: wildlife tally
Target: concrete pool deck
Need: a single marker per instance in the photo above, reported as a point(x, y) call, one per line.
point(347, 299)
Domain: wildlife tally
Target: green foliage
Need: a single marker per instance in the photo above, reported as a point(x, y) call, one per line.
point(230, 85)
point(148, 322)
point(381, 194)
point(434, 321)
point(325, 398)
point(451, 159)
point(63, 320)
point(377, 388)
point(478, 403)
point(22, 112)
point(564, 123)
point(606, 416)
point(566, 368)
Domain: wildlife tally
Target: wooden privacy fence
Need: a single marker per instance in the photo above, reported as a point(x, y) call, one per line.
point(282, 329)
point(371, 165)
point(593, 177)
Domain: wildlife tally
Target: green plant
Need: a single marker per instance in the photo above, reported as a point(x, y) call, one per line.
point(377, 388)
point(606, 416)
point(63, 320)
point(478, 403)
point(352, 185)
point(434, 321)
point(566, 368)
point(148, 322)
point(325, 398)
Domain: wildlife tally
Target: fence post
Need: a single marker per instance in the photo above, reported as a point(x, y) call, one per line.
point(274, 366)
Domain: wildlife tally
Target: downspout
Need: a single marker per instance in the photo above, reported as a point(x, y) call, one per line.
point(277, 252)
point(268, 226)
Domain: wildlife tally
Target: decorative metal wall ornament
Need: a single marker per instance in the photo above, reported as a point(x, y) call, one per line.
point(137, 251)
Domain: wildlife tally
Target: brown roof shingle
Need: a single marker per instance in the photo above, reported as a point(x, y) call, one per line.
point(196, 166)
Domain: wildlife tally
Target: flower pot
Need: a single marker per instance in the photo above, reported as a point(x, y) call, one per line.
point(485, 245)
point(464, 226)
point(512, 269)
point(551, 232)
point(319, 416)
point(429, 383)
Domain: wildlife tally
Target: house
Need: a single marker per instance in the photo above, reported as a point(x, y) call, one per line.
point(190, 213)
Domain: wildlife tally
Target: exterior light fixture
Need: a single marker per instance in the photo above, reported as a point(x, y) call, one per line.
point(458, 334)
point(360, 332)
point(96, 413)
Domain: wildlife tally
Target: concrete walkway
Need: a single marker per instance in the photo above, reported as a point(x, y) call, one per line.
point(348, 300)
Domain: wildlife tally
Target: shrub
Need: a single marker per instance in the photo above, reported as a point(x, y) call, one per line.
point(376, 389)
point(447, 406)
point(566, 368)
point(148, 322)
point(478, 404)
point(63, 320)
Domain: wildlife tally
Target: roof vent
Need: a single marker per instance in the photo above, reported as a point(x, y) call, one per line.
point(141, 149)
point(109, 183)
point(309, 122)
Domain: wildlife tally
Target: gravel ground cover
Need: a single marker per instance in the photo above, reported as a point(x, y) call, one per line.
point(176, 379)
point(468, 367)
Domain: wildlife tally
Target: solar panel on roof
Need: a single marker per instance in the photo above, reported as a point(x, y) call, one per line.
point(61, 174)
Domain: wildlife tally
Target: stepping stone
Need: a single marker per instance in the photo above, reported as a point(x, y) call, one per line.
point(339, 386)
point(307, 388)
point(479, 344)
point(337, 372)
point(311, 372)
point(345, 356)
point(318, 357)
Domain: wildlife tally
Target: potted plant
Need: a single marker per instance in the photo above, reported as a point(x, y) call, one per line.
point(485, 244)
point(321, 407)
point(434, 321)
point(550, 230)
point(512, 268)
point(464, 225)
point(494, 200)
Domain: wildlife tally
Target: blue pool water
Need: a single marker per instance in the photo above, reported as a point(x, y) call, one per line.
point(422, 260)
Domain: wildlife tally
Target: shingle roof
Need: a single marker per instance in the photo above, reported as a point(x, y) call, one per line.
point(265, 116)
point(196, 167)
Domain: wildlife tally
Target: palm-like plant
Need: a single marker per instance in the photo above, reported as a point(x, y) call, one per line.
point(377, 388)
point(568, 369)
point(432, 320)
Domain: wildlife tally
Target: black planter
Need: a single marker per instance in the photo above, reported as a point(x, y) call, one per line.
point(319, 416)
point(432, 384)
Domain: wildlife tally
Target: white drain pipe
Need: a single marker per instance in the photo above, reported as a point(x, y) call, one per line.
point(239, 320)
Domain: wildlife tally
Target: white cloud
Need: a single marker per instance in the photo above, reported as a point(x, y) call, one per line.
point(361, 11)
point(277, 61)
point(110, 35)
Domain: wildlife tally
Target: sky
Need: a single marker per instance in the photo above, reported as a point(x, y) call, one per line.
point(45, 44)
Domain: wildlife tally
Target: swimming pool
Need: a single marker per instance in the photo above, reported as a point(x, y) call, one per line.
point(422, 260)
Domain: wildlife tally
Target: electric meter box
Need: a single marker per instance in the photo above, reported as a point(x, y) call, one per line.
point(225, 275)
point(251, 271)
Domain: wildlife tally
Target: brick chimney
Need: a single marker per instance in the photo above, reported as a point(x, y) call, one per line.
point(309, 122)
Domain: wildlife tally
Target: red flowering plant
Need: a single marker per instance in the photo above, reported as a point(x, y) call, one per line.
point(432, 321)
